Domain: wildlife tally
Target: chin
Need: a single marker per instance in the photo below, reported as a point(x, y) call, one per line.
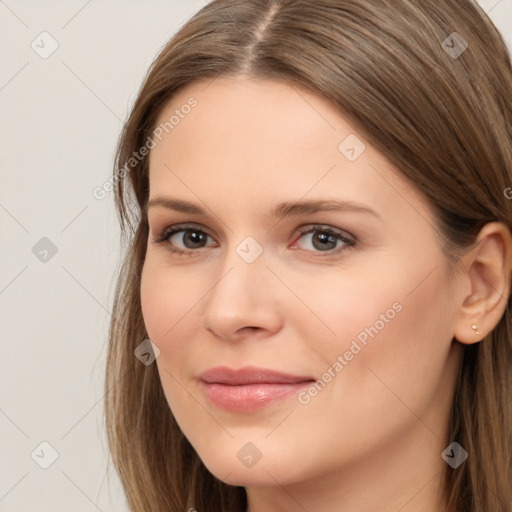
point(235, 467)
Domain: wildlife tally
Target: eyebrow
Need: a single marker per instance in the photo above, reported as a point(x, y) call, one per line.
point(280, 211)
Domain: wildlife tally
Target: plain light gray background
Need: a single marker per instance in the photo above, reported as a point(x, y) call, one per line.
point(61, 117)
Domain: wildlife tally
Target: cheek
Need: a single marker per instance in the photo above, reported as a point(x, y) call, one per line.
point(167, 300)
point(380, 321)
point(404, 337)
point(168, 297)
point(353, 308)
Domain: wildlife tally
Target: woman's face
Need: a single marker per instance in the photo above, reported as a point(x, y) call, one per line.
point(355, 296)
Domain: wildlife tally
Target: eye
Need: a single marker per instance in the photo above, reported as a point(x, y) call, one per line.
point(190, 237)
point(185, 239)
point(326, 239)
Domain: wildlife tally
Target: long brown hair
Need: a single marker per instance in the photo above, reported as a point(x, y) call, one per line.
point(439, 110)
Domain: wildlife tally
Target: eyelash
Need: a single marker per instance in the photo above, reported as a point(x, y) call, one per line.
point(164, 236)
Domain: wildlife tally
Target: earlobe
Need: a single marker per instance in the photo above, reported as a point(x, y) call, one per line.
point(488, 274)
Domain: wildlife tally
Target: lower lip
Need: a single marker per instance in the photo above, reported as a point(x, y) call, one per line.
point(249, 397)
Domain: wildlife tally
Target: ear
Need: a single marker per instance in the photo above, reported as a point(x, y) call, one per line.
point(486, 283)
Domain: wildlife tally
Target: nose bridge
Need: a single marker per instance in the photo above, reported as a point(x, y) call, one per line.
point(241, 271)
point(239, 297)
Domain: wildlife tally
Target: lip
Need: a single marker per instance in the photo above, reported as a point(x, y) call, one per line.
point(249, 388)
point(250, 375)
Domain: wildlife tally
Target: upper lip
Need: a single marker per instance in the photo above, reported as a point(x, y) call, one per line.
point(250, 375)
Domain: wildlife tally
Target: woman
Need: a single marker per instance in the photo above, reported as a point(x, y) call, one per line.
point(313, 312)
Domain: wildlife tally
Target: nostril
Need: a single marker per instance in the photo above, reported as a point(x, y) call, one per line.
point(250, 327)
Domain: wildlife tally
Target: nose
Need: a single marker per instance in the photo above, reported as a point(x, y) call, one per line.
point(246, 299)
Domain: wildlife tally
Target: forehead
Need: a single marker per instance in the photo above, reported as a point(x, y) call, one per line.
point(245, 112)
point(255, 140)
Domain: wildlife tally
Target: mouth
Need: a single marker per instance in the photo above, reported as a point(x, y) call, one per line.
point(249, 388)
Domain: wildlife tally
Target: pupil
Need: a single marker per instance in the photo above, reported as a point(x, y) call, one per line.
point(195, 237)
point(325, 237)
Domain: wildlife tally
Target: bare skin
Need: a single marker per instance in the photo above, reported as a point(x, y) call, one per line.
point(370, 439)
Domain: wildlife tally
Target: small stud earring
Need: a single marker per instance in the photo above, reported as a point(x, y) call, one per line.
point(474, 327)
